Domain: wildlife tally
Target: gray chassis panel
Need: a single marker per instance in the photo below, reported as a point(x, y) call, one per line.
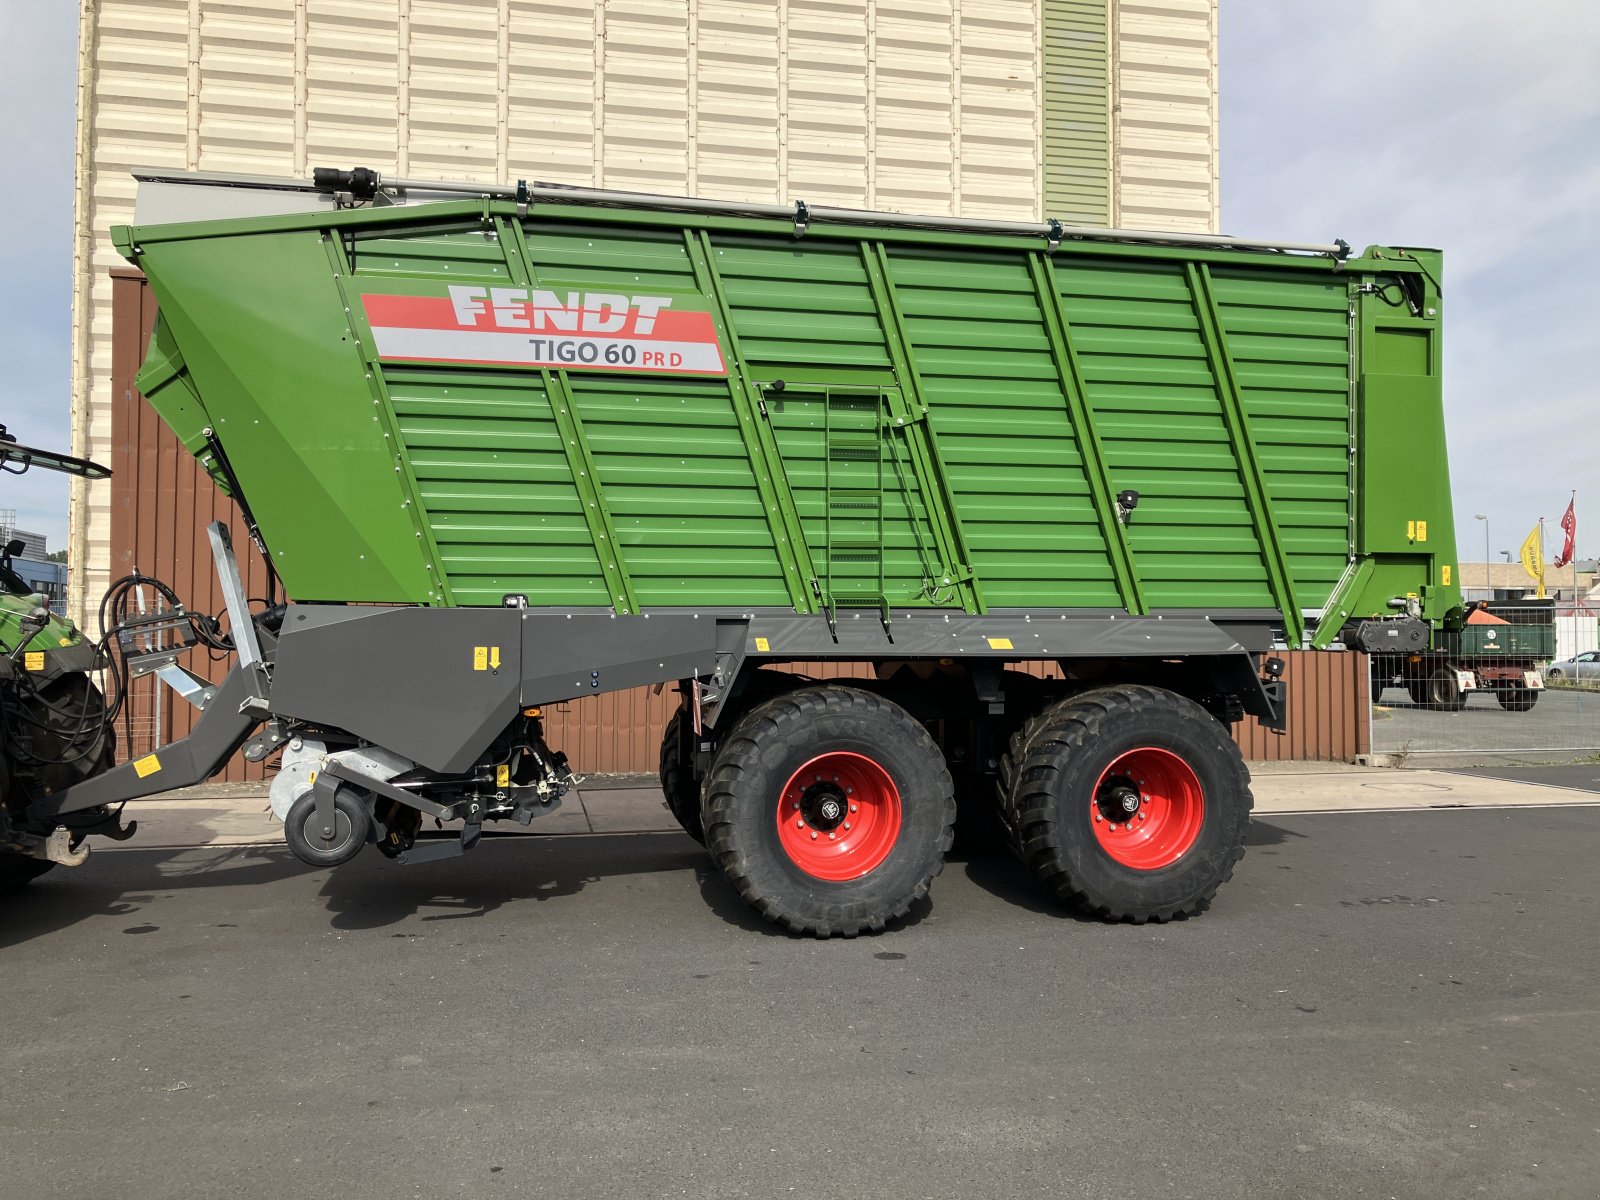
point(439, 684)
point(219, 732)
point(414, 680)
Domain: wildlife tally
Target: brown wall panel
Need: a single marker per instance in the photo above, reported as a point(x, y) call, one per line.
point(1328, 707)
point(162, 502)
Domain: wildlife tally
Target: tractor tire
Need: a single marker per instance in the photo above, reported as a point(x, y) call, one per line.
point(679, 787)
point(18, 870)
point(1517, 699)
point(830, 810)
point(352, 824)
point(1120, 752)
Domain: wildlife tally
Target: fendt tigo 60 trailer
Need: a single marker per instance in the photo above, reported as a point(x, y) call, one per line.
point(510, 445)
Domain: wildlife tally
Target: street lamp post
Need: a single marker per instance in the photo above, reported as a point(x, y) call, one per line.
point(1488, 569)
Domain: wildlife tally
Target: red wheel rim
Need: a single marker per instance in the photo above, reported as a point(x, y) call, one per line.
point(839, 816)
point(1147, 808)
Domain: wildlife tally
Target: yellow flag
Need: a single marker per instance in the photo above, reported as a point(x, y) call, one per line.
point(1533, 558)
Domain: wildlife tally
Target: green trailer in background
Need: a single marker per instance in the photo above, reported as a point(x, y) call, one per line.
point(510, 445)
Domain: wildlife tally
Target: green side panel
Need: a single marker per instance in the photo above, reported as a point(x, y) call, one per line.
point(1289, 340)
point(1077, 111)
point(958, 413)
point(266, 341)
point(995, 399)
point(1159, 415)
point(863, 504)
point(496, 486)
point(676, 479)
point(803, 310)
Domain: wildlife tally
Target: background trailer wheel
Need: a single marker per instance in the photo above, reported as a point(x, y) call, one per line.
point(1516, 698)
point(1130, 802)
point(830, 810)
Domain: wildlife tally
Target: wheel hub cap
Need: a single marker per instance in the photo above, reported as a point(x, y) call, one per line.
point(1148, 808)
point(839, 816)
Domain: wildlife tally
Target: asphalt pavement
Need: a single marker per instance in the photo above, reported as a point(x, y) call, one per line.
point(1386, 1004)
point(1561, 726)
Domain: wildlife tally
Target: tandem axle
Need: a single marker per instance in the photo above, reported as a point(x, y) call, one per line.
point(386, 717)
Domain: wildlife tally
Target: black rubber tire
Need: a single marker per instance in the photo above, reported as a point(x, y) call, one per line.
point(17, 871)
point(1517, 699)
point(1441, 693)
point(1053, 766)
point(1555, 675)
point(353, 824)
point(759, 756)
point(679, 787)
point(1417, 689)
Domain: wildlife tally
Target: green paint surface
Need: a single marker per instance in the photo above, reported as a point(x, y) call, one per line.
point(910, 419)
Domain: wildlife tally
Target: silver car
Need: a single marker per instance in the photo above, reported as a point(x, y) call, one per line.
point(1579, 666)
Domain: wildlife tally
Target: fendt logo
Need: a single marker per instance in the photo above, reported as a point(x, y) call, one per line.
point(593, 312)
point(598, 331)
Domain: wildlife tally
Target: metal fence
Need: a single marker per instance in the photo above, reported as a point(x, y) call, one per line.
point(1482, 706)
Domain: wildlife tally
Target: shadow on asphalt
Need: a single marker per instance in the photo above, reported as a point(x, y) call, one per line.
point(1265, 833)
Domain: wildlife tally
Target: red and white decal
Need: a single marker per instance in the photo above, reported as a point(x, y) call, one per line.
point(572, 331)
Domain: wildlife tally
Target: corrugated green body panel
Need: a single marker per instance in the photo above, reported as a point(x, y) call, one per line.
point(1077, 111)
point(855, 418)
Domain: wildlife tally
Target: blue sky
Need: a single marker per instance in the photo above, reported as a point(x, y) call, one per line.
point(1465, 124)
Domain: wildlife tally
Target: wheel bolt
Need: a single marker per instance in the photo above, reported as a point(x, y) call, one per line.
point(1098, 817)
point(1142, 816)
point(800, 824)
point(833, 837)
point(813, 835)
point(852, 808)
point(847, 826)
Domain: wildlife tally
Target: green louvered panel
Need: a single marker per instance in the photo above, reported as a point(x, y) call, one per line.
point(1077, 112)
point(1289, 339)
point(496, 486)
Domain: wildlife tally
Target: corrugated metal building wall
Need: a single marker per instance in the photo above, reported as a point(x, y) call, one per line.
point(929, 105)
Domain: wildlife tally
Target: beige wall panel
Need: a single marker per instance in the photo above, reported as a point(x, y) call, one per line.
point(1165, 72)
point(826, 132)
point(736, 100)
point(645, 109)
point(454, 85)
point(552, 72)
point(1000, 102)
point(352, 83)
point(247, 87)
point(913, 107)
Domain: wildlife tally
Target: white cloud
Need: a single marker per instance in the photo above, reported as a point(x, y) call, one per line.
point(1473, 127)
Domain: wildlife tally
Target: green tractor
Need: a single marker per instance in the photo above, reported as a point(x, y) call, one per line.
point(56, 726)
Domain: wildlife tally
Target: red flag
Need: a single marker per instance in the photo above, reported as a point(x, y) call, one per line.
point(1569, 522)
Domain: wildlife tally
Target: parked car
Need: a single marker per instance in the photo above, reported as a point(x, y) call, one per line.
point(1579, 666)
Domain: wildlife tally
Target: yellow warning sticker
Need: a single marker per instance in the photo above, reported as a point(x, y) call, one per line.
point(494, 658)
point(33, 660)
point(1411, 531)
point(1422, 531)
point(480, 658)
point(1000, 644)
point(1444, 575)
point(65, 641)
point(762, 644)
point(502, 775)
point(148, 765)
